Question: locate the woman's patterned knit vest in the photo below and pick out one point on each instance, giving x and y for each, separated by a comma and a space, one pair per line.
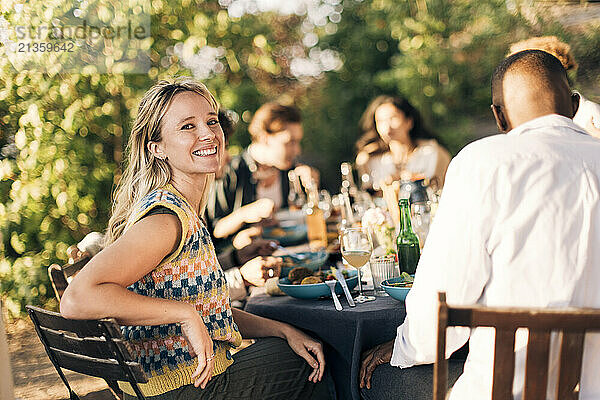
191, 274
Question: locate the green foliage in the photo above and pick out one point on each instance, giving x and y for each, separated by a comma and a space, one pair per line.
438, 54
69, 130
57, 187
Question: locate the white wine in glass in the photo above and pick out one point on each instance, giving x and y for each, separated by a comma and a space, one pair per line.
356, 246
356, 258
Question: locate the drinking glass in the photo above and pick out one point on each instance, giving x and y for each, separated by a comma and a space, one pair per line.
383, 268
421, 219
325, 203
362, 202
356, 246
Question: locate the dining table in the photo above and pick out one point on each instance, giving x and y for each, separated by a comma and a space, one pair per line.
345, 334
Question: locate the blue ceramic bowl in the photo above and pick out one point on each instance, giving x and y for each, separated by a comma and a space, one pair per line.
313, 261
286, 235
398, 293
315, 290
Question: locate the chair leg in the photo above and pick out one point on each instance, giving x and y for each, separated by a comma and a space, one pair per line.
115, 389
44, 340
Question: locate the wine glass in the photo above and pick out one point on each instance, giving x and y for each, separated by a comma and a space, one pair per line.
356, 246
421, 219
325, 203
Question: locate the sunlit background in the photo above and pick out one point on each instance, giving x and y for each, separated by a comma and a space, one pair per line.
62, 134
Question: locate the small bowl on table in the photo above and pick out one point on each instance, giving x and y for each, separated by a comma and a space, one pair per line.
288, 235
397, 292
312, 260
315, 290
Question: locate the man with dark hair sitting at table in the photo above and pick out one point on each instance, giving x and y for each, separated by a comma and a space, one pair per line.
518, 225
251, 264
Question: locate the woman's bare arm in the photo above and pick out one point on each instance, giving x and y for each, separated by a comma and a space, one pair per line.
100, 289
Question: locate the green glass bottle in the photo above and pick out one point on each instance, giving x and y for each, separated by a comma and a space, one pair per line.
407, 241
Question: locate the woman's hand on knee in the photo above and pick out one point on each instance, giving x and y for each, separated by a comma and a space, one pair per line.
307, 348
201, 345
371, 359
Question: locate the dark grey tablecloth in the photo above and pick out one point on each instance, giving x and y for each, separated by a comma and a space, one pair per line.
346, 334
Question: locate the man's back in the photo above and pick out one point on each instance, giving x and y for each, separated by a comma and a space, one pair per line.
518, 225
544, 243
546, 211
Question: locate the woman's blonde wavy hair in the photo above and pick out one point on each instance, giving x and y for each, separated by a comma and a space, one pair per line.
144, 172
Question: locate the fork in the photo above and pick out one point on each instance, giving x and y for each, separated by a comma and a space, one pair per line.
336, 301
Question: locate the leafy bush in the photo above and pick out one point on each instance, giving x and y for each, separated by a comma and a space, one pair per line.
440, 55
62, 135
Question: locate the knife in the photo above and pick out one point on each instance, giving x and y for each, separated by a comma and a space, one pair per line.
340, 277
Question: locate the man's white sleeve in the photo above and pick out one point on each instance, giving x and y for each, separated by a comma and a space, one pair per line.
454, 260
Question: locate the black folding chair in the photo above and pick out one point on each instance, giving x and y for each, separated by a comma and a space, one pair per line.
91, 347
60, 275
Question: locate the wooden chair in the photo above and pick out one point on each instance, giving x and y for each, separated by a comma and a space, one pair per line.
571, 323
91, 347
60, 276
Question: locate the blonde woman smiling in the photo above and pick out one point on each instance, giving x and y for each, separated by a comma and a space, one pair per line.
158, 274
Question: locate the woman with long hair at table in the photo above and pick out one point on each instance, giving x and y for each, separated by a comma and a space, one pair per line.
395, 144
159, 277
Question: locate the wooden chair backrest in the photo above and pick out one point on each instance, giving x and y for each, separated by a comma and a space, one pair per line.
572, 323
59, 276
91, 347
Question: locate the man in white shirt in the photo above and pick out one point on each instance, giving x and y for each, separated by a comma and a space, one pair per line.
518, 225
